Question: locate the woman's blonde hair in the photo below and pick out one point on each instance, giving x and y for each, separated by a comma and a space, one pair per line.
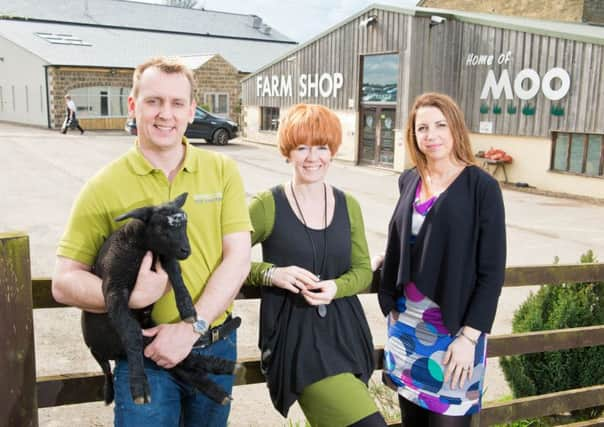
462, 149
309, 124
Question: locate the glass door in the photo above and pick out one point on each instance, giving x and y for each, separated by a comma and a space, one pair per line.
385, 155
377, 136
368, 135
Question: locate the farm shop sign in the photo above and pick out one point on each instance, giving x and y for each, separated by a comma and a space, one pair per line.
324, 85
496, 87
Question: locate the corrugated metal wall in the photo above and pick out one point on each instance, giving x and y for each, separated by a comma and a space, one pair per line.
433, 58
337, 52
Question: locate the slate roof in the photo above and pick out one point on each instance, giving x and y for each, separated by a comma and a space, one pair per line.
122, 34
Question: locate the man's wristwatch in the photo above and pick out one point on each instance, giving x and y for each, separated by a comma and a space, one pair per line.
200, 326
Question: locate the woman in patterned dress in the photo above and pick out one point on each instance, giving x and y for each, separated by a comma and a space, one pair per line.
443, 270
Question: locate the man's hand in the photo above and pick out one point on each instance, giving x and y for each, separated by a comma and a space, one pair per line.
173, 342
150, 285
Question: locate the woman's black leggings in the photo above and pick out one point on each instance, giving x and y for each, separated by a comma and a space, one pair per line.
416, 416
373, 420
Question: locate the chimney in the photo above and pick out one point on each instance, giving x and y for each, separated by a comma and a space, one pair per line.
256, 22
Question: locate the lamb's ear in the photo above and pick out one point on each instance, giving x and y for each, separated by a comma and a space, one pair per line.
141, 213
180, 200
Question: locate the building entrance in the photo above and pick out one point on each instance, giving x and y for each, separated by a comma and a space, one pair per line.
377, 136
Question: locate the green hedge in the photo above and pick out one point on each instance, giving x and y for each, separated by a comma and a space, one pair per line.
557, 307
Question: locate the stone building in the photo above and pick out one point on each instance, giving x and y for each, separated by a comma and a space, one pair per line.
588, 11
48, 50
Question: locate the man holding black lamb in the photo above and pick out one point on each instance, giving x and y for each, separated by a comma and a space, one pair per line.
161, 165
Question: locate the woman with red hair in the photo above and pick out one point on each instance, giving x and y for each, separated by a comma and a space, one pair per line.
315, 341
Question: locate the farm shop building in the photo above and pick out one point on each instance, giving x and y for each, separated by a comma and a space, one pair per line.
533, 88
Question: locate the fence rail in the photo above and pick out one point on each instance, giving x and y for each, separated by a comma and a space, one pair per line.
73, 388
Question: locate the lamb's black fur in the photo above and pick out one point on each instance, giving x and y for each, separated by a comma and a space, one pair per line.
162, 230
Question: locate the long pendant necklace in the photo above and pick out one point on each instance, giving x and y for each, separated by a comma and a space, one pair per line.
321, 308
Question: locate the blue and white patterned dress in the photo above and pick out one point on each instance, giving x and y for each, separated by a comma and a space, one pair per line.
417, 342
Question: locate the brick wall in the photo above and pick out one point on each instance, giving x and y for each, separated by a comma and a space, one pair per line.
219, 76
558, 10
61, 80
593, 11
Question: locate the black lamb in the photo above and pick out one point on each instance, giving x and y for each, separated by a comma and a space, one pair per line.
117, 333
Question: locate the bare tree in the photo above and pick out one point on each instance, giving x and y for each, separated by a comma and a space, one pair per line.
187, 4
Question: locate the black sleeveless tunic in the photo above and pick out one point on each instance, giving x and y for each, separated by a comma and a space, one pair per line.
298, 346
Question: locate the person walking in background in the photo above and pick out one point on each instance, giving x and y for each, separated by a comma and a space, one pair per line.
442, 271
315, 342
71, 120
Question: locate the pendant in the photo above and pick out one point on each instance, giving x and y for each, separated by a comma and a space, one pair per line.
322, 310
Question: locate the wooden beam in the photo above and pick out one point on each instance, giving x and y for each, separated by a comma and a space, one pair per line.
514, 276
588, 423
542, 341
538, 406
553, 274
68, 389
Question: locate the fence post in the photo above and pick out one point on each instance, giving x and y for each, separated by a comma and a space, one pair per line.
18, 400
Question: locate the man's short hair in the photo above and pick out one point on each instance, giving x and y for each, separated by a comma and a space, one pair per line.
166, 64
67, 96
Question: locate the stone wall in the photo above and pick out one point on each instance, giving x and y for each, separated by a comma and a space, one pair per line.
63, 79
559, 10
219, 76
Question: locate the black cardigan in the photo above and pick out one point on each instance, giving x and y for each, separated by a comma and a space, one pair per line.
458, 259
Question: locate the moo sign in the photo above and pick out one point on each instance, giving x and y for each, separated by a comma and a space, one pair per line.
529, 90
325, 85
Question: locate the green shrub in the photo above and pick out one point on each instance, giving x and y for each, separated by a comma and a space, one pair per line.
568, 305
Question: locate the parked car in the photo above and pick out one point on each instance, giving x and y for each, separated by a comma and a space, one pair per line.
215, 130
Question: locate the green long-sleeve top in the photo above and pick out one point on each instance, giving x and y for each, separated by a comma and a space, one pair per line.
356, 279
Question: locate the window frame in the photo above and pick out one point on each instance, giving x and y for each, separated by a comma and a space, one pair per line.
554, 138
275, 113
216, 96
362, 78
83, 108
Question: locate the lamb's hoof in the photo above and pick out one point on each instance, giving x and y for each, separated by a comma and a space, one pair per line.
190, 319
226, 400
139, 388
141, 400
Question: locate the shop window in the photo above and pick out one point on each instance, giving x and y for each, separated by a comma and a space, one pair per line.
218, 103
579, 153
101, 101
380, 77
269, 118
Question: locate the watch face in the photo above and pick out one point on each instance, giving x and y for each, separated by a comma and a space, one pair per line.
200, 326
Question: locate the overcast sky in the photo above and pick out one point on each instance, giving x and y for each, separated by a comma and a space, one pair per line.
299, 20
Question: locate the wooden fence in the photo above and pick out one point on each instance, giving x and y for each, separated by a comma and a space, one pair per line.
25, 392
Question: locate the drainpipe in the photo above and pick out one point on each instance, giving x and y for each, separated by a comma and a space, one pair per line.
47, 97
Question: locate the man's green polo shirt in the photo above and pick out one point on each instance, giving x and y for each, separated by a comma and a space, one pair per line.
216, 206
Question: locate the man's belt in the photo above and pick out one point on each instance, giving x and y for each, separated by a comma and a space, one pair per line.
218, 332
